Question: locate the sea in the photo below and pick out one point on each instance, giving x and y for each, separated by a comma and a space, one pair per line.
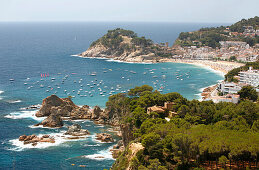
39, 59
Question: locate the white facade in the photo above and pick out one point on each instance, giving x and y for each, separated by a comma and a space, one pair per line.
250, 77
233, 98
226, 87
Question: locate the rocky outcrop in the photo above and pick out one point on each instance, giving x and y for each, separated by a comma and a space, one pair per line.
96, 112
104, 137
76, 130
52, 121
33, 139
125, 47
99, 51
64, 107
119, 147
55, 105
128, 154
106, 117
81, 113
127, 135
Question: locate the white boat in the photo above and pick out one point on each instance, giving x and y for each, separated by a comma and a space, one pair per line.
93, 74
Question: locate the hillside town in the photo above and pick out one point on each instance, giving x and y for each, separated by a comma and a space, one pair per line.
232, 48
238, 50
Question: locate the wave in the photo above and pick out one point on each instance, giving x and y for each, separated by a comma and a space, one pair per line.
100, 58
14, 101
101, 155
92, 145
60, 138
25, 115
1, 93
40, 126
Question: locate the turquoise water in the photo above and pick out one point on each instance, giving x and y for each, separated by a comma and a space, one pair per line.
28, 50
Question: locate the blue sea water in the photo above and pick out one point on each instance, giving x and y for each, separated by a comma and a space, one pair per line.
28, 50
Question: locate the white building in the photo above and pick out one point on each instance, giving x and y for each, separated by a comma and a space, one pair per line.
250, 77
233, 98
228, 87
227, 44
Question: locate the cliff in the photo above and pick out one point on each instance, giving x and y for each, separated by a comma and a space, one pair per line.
125, 45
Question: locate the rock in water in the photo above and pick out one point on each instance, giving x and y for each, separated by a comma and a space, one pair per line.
54, 104
81, 113
33, 139
96, 112
76, 130
52, 121
104, 137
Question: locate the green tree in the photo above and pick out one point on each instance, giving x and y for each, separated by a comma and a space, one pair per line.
248, 92
223, 160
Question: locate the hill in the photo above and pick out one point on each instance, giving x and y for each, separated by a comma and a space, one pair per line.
244, 30
125, 45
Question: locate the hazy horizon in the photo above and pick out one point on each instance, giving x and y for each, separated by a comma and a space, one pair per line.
184, 11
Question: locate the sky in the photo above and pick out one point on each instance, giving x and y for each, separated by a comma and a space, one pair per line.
207, 11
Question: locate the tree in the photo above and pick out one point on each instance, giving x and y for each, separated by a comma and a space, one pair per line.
223, 160
139, 89
248, 92
233, 58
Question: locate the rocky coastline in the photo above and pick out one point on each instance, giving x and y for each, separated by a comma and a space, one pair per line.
56, 110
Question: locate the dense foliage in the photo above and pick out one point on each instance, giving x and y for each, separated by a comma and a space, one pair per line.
201, 132
230, 76
114, 40
239, 26
120, 41
211, 36
248, 93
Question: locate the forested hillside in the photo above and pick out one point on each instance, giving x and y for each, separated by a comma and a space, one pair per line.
201, 134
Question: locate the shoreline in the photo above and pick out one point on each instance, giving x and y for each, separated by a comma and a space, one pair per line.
218, 67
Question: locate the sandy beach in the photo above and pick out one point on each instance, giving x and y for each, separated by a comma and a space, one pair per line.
222, 67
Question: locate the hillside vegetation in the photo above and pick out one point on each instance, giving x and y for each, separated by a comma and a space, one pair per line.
211, 36
125, 45
202, 134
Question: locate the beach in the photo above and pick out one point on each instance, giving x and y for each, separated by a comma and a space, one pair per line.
222, 67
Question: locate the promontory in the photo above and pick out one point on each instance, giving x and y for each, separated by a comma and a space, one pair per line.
125, 45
